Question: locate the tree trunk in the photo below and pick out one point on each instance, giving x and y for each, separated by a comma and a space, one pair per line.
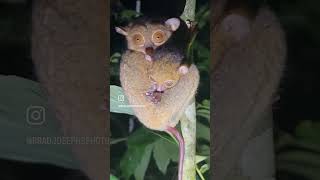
70, 51
243, 82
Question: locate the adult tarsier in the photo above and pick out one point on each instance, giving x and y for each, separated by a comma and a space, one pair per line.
164, 43
156, 76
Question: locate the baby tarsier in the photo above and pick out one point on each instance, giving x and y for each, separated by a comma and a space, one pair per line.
156, 38
156, 76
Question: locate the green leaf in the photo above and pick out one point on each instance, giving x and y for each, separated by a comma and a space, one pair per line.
200, 158
308, 130
203, 109
134, 162
300, 153
287, 140
301, 157
143, 165
163, 152
202, 16
128, 14
204, 168
112, 177
115, 58
141, 136
203, 131
118, 101
203, 149
131, 160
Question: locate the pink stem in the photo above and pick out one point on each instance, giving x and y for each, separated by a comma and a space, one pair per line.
179, 138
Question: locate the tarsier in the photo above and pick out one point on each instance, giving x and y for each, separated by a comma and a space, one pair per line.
163, 75
156, 38
156, 77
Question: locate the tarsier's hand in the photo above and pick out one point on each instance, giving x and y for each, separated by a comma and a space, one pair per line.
155, 108
153, 95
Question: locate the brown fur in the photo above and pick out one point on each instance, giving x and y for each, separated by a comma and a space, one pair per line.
135, 82
164, 70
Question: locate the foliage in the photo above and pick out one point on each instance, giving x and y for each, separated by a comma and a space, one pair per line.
118, 101
142, 143
112, 177
299, 154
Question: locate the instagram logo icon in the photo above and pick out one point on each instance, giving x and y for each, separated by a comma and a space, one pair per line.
35, 115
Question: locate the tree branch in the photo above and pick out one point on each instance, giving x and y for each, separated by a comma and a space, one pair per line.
188, 121
189, 10
188, 129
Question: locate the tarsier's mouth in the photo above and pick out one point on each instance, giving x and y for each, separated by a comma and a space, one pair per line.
149, 51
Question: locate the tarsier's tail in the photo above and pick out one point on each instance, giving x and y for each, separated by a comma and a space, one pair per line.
173, 131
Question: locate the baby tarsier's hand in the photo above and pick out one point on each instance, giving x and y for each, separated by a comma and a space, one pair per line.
153, 95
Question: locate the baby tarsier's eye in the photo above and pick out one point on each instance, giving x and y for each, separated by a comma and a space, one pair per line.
138, 39
158, 37
169, 83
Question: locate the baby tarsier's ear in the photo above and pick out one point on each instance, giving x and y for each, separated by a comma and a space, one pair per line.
121, 30
173, 23
183, 69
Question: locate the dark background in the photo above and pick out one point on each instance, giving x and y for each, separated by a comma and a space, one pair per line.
299, 98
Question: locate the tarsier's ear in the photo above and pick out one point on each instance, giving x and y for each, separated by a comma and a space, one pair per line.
173, 23
183, 69
121, 30
236, 25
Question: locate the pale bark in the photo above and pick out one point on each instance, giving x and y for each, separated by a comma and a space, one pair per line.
189, 120
188, 129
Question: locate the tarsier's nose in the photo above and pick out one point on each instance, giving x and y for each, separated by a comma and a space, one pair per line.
149, 50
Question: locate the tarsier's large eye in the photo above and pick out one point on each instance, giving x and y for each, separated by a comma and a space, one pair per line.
138, 39
158, 37
169, 83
